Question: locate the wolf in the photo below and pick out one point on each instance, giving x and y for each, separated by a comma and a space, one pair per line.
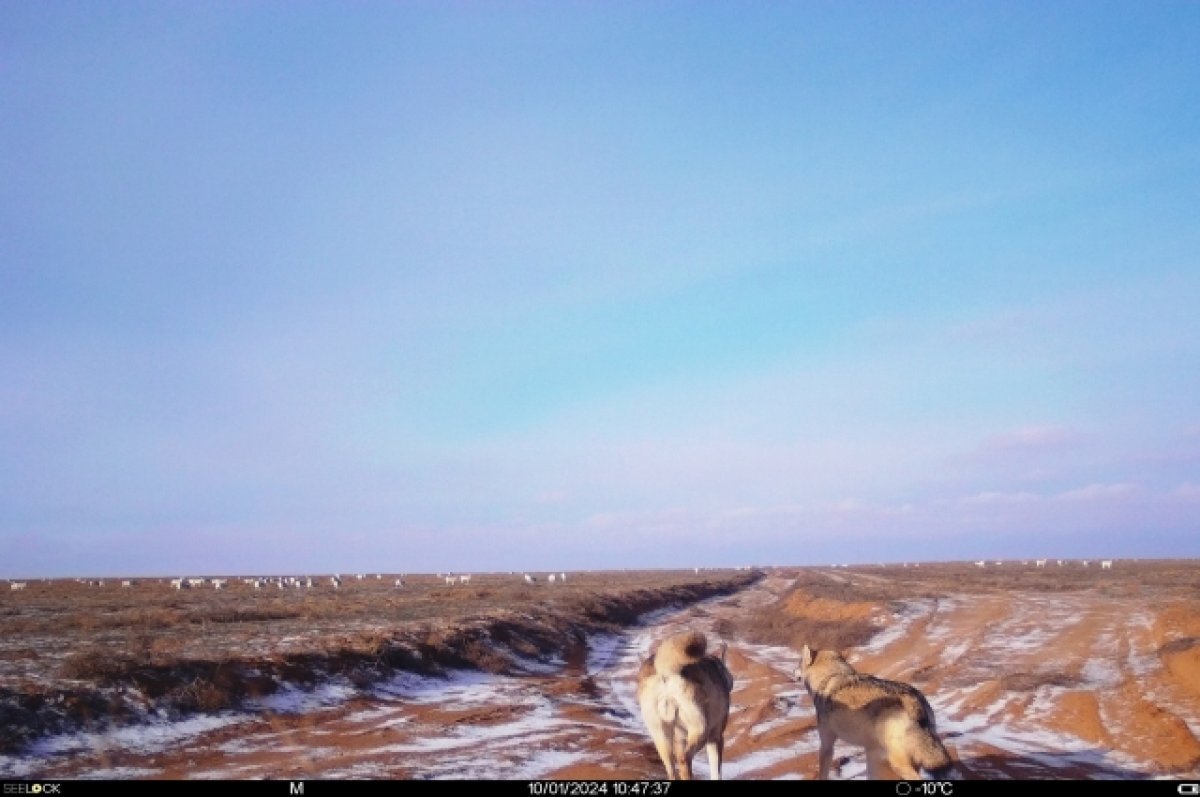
684, 693
891, 720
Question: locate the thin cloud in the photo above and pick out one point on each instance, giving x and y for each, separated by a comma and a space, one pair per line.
1187, 492
1101, 492
1000, 498
1035, 437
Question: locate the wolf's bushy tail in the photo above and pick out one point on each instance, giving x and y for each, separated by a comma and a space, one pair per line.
678, 651
929, 754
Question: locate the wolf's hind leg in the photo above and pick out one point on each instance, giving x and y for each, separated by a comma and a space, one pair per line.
716, 752
686, 748
662, 743
877, 765
902, 766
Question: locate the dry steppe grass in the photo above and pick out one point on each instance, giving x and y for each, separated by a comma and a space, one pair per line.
80, 655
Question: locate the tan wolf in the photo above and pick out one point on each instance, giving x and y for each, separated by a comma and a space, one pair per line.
684, 692
891, 720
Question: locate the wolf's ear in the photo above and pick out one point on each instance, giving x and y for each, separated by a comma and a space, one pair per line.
807, 656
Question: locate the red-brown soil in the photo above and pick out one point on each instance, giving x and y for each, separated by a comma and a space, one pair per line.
1054, 673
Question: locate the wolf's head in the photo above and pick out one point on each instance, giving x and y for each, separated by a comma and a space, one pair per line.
817, 665
807, 658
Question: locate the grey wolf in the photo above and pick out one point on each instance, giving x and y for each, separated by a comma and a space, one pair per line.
684, 693
892, 721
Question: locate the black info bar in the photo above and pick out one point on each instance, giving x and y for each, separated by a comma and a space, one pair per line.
583, 788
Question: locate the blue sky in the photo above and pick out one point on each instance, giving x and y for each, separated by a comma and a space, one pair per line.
482, 286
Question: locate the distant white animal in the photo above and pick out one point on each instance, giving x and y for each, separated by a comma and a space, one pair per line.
218, 583
1085, 563
1106, 564
126, 583
451, 580
529, 579
562, 576
1040, 563
336, 581
981, 564
399, 583
550, 578
17, 586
